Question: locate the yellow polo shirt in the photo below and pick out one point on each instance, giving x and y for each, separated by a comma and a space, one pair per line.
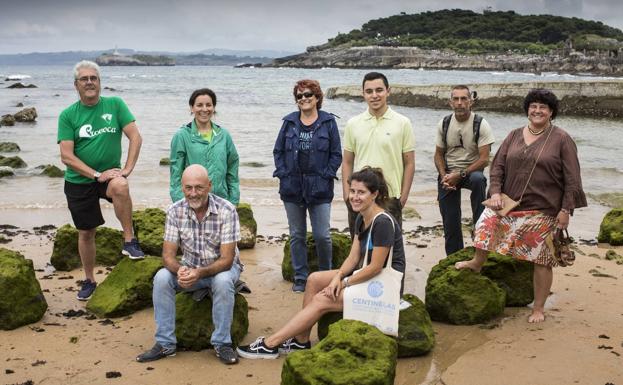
380, 143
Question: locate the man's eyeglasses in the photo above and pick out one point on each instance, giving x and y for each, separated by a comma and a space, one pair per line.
304, 95
86, 79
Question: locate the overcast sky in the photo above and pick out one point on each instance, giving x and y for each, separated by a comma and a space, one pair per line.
194, 25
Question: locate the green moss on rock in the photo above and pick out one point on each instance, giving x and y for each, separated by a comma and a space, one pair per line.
51, 171
248, 226
5, 171
13, 162
611, 228
9, 147
165, 162
341, 248
65, 256
149, 229
193, 321
21, 299
416, 336
127, 289
352, 353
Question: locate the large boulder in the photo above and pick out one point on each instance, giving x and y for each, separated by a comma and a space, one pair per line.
511, 275
12, 161
51, 171
611, 228
6, 171
126, 289
462, 297
341, 248
9, 147
26, 115
193, 321
248, 226
352, 353
65, 256
415, 329
149, 229
21, 301
7, 120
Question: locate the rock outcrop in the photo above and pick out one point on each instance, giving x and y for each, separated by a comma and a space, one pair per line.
9, 147
341, 248
22, 85
22, 301
51, 171
12, 161
7, 120
193, 321
65, 256
127, 289
165, 162
6, 171
248, 226
611, 228
352, 353
416, 336
149, 229
26, 115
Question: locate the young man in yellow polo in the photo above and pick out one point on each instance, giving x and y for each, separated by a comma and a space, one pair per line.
379, 137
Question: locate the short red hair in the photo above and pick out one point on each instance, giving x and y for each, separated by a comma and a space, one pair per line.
313, 86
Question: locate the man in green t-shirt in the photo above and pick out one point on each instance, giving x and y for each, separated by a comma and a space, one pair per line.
89, 134
379, 137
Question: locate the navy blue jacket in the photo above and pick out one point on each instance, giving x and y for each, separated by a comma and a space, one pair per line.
325, 157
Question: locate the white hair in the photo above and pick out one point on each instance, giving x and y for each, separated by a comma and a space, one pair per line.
86, 64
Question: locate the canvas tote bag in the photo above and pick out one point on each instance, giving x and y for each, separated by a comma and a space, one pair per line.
377, 300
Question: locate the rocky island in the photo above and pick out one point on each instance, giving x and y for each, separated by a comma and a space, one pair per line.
117, 59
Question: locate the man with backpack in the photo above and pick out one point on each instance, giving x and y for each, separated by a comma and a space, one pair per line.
462, 152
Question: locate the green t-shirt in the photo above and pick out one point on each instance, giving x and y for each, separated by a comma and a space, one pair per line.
96, 132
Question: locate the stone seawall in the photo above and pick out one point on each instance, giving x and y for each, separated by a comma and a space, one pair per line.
586, 98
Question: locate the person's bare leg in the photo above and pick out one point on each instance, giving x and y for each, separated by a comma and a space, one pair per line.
119, 191
474, 264
86, 249
543, 277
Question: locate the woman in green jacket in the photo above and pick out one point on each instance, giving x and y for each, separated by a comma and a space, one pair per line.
208, 144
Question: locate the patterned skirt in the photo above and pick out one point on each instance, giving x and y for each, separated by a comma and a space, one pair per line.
520, 234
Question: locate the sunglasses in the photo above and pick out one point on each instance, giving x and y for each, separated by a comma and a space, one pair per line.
85, 79
304, 95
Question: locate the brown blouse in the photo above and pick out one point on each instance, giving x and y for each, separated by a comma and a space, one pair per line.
556, 182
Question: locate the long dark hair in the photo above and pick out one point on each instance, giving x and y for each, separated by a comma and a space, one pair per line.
373, 179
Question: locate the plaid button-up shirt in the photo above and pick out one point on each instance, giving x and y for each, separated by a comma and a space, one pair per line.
201, 241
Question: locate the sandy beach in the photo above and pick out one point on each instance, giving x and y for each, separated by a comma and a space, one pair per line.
581, 341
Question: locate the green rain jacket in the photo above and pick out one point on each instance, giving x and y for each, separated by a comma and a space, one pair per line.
219, 156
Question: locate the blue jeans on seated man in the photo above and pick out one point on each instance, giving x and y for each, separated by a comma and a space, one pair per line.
450, 208
320, 217
223, 293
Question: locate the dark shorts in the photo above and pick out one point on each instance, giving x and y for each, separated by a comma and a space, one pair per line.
84, 205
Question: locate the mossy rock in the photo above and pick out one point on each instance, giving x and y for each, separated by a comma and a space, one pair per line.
127, 289
22, 301
611, 228
6, 171
512, 275
28, 114
416, 336
341, 248
9, 147
7, 120
193, 321
462, 297
51, 171
248, 226
65, 256
149, 229
13, 162
165, 162
611, 255
352, 353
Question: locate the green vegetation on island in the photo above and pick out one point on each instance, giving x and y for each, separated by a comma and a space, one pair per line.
465, 31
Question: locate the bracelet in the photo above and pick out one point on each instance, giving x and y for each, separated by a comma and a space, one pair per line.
564, 211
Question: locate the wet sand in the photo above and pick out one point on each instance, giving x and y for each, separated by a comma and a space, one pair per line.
580, 343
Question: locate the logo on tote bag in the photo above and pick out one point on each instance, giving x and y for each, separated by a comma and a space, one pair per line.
375, 289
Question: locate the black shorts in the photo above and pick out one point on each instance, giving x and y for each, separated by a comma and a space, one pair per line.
84, 205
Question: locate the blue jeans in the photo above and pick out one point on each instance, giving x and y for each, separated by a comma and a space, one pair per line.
223, 293
320, 216
450, 208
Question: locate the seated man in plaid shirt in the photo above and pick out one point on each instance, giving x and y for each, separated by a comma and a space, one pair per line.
207, 230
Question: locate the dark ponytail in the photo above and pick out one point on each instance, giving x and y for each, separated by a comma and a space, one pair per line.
372, 178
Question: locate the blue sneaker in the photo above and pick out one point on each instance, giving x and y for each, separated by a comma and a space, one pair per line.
86, 290
132, 249
299, 286
155, 353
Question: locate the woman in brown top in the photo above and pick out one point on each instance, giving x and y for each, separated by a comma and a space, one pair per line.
553, 189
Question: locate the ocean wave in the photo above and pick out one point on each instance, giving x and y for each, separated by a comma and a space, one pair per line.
18, 77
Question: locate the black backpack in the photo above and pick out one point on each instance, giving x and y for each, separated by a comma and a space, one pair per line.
446, 124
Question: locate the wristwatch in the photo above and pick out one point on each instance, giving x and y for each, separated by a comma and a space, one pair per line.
96, 175
345, 281
463, 173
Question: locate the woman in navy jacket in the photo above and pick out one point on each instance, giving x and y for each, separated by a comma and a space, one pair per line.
307, 156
